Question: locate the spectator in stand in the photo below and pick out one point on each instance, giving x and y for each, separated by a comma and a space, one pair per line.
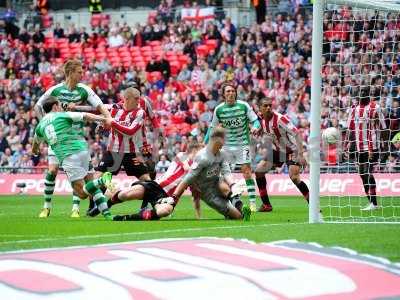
44, 66
38, 36
58, 31
163, 165
3, 142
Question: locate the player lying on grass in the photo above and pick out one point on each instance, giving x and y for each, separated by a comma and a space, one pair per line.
156, 193
58, 129
210, 174
284, 145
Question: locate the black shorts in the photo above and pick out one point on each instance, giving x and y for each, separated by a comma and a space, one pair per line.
279, 158
112, 162
362, 157
152, 191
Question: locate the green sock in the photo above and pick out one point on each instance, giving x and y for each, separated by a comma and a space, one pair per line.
92, 186
49, 184
251, 189
101, 202
76, 201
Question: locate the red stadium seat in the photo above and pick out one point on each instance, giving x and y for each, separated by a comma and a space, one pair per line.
175, 67
158, 53
62, 40
211, 44
140, 64
134, 49
183, 59
75, 45
153, 77
177, 119
154, 44
145, 49
123, 49
170, 53
59, 61
137, 58
202, 50
49, 41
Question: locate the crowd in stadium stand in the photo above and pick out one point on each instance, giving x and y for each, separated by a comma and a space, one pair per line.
181, 64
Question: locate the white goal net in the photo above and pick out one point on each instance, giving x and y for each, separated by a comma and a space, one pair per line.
359, 96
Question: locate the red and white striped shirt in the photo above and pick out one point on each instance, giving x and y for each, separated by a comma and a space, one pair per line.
366, 121
175, 173
126, 133
282, 132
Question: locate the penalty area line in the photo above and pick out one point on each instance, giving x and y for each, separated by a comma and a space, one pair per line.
128, 234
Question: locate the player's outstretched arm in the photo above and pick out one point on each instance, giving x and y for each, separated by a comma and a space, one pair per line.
95, 118
182, 186
104, 111
85, 108
36, 145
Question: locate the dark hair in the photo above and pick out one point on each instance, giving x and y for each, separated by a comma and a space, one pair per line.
226, 84
49, 103
262, 99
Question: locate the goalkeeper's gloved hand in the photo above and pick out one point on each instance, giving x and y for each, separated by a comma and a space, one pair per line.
166, 200
236, 189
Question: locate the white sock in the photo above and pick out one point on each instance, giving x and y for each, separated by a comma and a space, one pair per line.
47, 204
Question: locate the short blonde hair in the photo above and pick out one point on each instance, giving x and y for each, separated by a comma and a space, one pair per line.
131, 91
218, 132
71, 65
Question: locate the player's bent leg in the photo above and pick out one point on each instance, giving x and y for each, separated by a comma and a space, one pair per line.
234, 213
251, 188
164, 210
294, 174
77, 186
49, 184
76, 200
143, 215
224, 188
76, 166
262, 168
135, 192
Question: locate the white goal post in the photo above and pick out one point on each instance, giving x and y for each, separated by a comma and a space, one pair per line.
381, 9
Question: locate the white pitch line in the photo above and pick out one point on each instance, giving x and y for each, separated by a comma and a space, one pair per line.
110, 235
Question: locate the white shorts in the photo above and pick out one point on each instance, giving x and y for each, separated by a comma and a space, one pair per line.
51, 157
76, 166
238, 155
53, 160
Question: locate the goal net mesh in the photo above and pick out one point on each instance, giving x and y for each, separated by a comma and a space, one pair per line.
360, 53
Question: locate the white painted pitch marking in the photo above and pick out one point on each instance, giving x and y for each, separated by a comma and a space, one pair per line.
125, 234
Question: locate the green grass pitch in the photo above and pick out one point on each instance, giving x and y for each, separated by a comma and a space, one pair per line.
20, 227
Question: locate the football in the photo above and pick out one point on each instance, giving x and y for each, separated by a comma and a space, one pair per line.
330, 135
